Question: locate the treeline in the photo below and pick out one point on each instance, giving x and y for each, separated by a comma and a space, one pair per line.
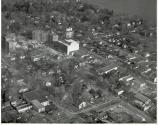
83, 11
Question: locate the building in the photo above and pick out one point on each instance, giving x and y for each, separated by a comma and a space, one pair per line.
142, 98
127, 78
23, 108
36, 35
119, 91
39, 35
65, 46
12, 45
69, 33
52, 37
23, 89
39, 95
120, 117
82, 105
5, 45
107, 69
38, 106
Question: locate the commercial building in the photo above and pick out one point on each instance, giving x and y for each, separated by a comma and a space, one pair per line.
40, 35
23, 108
39, 95
38, 106
65, 46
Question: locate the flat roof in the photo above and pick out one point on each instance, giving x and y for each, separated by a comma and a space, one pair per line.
39, 95
37, 104
23, 106
67, 42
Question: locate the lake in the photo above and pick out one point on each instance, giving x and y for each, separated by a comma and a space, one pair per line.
142, 8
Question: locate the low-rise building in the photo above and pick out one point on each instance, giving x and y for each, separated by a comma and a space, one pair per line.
65, 46
142, 98
119, 91
39, 95
23, 108
107, 69
38, 106
40, 35
126, 78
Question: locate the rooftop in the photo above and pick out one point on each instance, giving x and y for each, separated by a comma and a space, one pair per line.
39, 95
37, 104
142, 97
68, 42
107, 68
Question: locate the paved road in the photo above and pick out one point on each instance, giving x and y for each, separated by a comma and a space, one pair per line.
116, 47
142, 79
102, 104
137, 112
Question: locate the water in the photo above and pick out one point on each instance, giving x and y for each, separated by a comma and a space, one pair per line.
142, 8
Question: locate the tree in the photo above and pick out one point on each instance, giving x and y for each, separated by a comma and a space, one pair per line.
76, 92
15, 27
99, 92
105, 14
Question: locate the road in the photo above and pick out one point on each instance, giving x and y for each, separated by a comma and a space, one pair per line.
102, 104
116, 47
142, 79
137, 112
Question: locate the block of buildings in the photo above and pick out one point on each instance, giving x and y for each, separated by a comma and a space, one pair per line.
40, 35
65, 46
39, 95
37, 106
23, 108
142, 98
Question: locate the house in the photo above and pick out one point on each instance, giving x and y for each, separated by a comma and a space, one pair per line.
127, 78
142, 98
142, 105
39, 95
107, 69
119, 91
37, 106
23, 89
82, 105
